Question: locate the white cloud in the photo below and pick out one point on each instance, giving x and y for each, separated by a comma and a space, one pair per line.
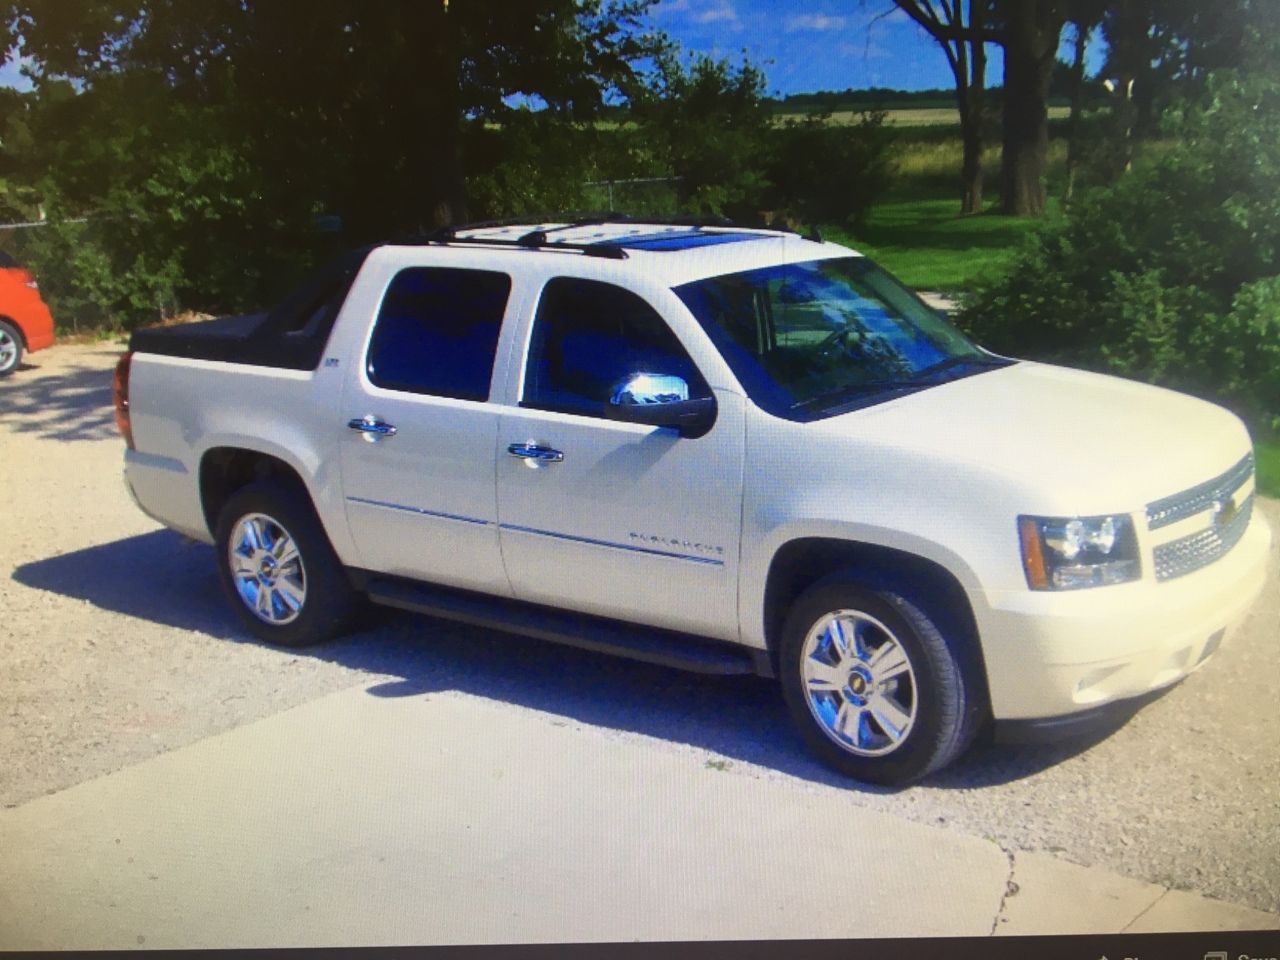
813, 21
717, 11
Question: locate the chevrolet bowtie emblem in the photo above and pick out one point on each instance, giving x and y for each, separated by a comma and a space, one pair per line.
1223, 511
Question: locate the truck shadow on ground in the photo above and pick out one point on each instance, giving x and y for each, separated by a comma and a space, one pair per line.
74, 405
164, 579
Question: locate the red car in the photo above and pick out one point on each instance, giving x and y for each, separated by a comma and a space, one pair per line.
25, 322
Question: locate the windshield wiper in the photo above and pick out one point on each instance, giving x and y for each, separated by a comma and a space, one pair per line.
850, 390
981, 360
925, 378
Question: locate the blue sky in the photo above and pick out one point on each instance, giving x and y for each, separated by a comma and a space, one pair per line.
802, 45
808, 45
10, 76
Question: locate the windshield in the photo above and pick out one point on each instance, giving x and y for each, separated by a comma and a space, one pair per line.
812, 339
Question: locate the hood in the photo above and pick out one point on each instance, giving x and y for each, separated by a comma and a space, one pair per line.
1080, 443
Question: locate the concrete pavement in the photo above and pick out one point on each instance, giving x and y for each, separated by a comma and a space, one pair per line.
363, 819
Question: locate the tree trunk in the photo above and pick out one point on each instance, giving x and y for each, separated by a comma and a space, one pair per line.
436, 169
1123, 112
965, 49
971, 164
972, 116
970, 133
1077, 105
1032, 28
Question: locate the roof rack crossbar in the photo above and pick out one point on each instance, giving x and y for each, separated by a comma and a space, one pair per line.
528, 241
612, 249
568, 221
538, 238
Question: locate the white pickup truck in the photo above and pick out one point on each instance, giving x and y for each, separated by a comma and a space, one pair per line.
723, 449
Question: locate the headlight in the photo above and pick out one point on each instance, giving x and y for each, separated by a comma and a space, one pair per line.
1066, 553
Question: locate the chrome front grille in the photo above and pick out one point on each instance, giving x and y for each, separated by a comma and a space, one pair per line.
1190, 553
1226, 515
1199, 498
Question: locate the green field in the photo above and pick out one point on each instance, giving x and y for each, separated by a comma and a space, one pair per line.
929, 246
907, 116
917, 230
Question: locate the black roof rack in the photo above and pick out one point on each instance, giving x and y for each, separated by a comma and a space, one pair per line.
587, 218
536, 239
541, 240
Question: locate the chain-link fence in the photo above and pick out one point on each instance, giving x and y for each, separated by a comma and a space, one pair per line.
641, 196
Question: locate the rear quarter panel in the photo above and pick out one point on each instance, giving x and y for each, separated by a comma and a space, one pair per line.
182, 408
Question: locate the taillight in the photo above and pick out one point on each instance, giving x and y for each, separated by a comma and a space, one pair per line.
120, 395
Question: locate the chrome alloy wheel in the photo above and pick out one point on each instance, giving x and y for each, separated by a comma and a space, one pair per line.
8, 350
267, 569
859, 683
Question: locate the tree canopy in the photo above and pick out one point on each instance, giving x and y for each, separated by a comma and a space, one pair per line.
380, 91
192, 131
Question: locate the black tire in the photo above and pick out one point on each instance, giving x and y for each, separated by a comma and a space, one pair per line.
328, 602
10, 348
940, 690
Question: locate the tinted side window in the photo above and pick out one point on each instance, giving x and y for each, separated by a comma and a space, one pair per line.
437, 332
587, 337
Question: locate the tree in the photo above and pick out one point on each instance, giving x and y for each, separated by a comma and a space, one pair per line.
1172, 274
203, 139
363, 104
1028, 31
961, 30
820, 172
707, 123
1029, 35
1161, 51
1084, 17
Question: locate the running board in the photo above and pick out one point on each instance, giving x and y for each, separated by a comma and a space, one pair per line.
635, 642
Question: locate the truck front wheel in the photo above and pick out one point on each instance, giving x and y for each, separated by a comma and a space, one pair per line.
278, 569
877, 691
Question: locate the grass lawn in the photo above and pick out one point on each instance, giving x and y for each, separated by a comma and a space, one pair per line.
1268, 462
929, 246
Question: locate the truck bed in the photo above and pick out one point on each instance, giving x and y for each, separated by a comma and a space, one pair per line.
229, 339
291, 336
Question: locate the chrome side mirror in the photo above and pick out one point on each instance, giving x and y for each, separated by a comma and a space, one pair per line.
645, 389
661, 400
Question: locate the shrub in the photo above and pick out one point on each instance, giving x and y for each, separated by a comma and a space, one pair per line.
827, 173
535, 163
708, 124
1173, 274
93, 282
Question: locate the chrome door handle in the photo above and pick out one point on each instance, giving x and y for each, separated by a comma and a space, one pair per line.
535, 453
372, 428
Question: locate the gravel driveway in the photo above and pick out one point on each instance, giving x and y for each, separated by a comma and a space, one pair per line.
116, 646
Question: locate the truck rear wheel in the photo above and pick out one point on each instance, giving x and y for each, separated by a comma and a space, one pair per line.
278, 568
875, 688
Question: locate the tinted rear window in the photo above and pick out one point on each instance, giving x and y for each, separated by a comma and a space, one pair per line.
437, 332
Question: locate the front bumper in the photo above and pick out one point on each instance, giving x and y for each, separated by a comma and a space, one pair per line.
1052, 656
1090, 722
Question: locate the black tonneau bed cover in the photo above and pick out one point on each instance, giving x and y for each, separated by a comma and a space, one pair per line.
292, 336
